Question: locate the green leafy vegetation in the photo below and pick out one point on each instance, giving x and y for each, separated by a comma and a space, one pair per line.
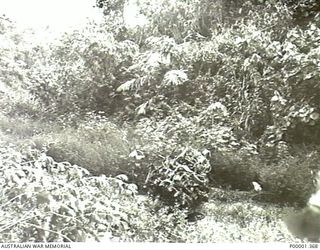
43, 200
122, 133
181, 179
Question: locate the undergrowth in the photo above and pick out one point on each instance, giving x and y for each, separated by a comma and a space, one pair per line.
45, 200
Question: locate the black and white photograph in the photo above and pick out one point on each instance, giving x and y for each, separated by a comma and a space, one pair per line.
159, 121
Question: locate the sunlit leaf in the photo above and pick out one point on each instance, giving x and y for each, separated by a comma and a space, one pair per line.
175, 77
142, 109
314, 116
122, 177
137, 154
126, 86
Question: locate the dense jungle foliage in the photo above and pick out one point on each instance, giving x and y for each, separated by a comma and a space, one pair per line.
199, 124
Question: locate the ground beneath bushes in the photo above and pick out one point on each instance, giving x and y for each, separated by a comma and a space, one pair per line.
236, 216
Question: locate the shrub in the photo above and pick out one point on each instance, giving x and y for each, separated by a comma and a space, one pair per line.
261, 71
208, 127
43, 200
81, 73
181, 178
48, 201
